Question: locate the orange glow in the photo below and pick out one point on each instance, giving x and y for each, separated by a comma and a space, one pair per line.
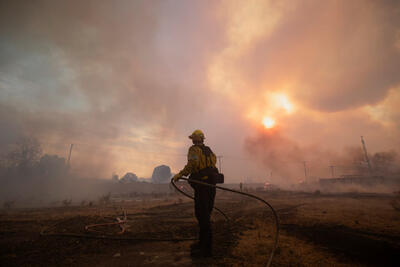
268, 122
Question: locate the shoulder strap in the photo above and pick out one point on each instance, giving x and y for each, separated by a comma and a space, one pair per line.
207, 153
206, 150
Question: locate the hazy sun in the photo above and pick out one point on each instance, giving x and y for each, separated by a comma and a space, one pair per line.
268, 122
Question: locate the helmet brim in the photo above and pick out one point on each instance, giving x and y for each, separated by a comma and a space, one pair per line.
196, 137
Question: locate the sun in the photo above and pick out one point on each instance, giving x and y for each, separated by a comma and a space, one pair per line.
268, 122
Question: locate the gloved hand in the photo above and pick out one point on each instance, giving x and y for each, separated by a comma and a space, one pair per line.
176, 177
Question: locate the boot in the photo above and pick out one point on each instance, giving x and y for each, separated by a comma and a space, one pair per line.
206, 246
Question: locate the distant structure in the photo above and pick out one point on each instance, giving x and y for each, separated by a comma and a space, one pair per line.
383, 172
161, 174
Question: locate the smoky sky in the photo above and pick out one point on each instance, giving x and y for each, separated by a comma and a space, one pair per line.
128, 81
341, 54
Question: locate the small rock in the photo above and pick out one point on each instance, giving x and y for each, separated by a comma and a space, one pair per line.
141, 253
117, 255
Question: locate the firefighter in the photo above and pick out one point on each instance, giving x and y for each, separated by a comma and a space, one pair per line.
201, 158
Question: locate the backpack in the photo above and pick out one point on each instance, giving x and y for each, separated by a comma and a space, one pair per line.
212, 173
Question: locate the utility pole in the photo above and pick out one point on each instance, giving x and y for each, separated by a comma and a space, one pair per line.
332, 170
366, 154
69, 155
219, 163
305, 170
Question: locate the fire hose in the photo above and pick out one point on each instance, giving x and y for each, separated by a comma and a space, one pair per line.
121, 223
275, 215
124, 220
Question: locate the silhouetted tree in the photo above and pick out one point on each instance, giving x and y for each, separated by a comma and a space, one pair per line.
161, 174
24, 155
129, 178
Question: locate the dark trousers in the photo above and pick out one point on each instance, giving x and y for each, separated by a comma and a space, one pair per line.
203, 205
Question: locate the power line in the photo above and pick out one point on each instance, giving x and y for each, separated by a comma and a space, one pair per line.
130, 147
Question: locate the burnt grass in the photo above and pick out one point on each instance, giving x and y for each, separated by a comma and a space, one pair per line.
314, 220
368, 248
21, 243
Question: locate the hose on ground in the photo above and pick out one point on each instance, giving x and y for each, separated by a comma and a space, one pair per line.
275, 215
86, 236
45, 232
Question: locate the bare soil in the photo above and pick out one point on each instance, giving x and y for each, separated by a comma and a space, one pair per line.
315, 230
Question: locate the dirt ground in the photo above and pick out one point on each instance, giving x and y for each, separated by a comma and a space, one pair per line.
315, 230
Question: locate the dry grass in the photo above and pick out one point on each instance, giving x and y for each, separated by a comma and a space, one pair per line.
323, 231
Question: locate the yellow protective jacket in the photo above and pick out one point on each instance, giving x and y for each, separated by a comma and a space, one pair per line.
197, 160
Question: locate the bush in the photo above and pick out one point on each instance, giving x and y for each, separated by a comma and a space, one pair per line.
105, 199
66, 202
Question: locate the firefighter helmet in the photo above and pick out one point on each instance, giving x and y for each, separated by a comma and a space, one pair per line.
197, 135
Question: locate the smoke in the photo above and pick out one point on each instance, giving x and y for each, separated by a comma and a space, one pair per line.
288, 161
100, 73
291, 163
127, 82
329, 56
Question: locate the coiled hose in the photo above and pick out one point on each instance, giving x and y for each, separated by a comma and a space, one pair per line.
275, 215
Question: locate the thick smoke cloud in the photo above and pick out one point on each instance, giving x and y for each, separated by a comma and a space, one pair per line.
99, 72
288, 161
337, 55
337, 63
127, 81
